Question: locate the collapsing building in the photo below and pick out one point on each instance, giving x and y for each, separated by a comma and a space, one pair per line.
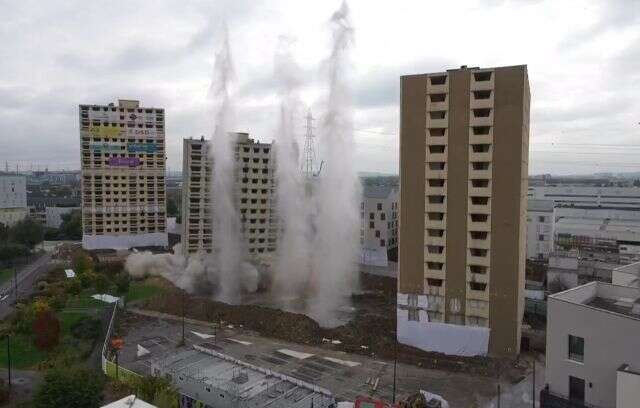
205, 377
254, 193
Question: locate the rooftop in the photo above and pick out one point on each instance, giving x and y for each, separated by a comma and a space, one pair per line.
129, 402
621, 300
540, 205
204, 365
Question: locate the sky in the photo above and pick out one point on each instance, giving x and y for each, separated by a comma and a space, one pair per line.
583, 61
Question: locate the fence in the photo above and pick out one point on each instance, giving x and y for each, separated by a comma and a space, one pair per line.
551, 400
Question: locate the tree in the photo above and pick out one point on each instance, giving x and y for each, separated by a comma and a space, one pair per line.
101, 283
151, 388
4, 232
70, 387
10, 250
71, 227
27, 232
82, 263
46, 328
122, 282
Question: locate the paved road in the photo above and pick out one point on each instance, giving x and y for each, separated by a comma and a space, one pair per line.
27, 277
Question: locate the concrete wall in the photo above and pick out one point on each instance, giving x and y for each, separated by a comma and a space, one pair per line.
540, 248
628, 388
609, 341
13, 192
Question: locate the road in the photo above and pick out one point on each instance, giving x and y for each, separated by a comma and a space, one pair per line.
27, 277
519, 395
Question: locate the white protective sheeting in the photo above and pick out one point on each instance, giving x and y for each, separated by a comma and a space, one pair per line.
106, 298
70, 273
374, 257
142, 351
442, 337
345, 363
203, 335
297, 354
124, 241
429, 396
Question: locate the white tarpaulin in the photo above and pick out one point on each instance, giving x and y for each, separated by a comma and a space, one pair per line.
203, 335
106, 298
445, 338
429, 396
70, 273
142, 351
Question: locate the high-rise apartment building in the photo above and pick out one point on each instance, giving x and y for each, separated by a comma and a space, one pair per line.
13, 199
254, 193
378, 225
463, 171
123, 176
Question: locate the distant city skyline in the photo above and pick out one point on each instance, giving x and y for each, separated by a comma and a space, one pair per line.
581, 57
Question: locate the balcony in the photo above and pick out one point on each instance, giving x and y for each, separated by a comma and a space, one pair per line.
479, 156
479, 243
428, 240
437, 106
552, 400
434, 174
434, 257
437, 123
435, 207
478, 294
435, 274
479, 226
481, 121
479, 174
435, 290
435, 190
436, 224
479, 191
479, 260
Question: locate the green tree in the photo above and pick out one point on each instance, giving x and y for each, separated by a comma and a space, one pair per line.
150, 387
82, 263
70, 387
10, 250
101, 283
71, 227
122, 282
4, 232
27, 232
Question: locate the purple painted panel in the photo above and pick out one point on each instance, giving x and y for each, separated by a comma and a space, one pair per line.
124, 161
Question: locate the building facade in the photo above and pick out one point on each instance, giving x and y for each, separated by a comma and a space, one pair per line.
13, 199
463, 175
540, 229
254, 192
123, 176
379, 225
592, 332
588, 196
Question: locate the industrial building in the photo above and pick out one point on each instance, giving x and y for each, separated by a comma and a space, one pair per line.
123, 175
540, 229
13, 199
592, 357
254, 194
205, 377
379, 225
464, 137
588, 196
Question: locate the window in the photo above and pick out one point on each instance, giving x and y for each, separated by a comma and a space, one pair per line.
436, 165
576, 348
576, 389
480, 148
481, 130
414, 315
437, 114
436, 182
482, 94
436, 199
438, 80
540, 237
371, 225
436, 149
383, 216
479, 183
435, 249
434, 282
435, 232
438, 97
481, 113
478, 286
541, 218
435, 216
478, 269
478, 234
479, 200
482, 76
379, 206
436, 132
382, 243
372, 216
435, 265
479, 217
377, 234
480, 165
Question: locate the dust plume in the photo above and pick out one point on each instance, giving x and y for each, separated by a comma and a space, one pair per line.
227, 242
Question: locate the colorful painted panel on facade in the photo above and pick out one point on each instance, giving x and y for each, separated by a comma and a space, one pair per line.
142, 147
124, 161
105, 131
107, 147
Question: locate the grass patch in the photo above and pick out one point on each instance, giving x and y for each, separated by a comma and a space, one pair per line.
143, 291
5, 275
24, 353
84, 301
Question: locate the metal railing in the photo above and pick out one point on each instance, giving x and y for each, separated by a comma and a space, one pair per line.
549, 399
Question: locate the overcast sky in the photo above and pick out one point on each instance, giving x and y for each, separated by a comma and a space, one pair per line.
583, 59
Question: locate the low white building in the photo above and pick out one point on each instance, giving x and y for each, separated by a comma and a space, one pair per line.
540, 229
13, 199
592, 355
379, 224
588, 196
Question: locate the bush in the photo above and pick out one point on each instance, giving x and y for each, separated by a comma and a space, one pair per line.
70, 387
82, 263
101, 283
87, 328
157, 389
73, 286
122, 283
87, 279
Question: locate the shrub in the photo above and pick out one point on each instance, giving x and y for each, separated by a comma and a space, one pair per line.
70, 387
46, 328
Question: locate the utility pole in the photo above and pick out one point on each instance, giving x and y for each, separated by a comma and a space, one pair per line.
395, 364
15, 281
533, 391
9, 361
183, 317
309, 148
